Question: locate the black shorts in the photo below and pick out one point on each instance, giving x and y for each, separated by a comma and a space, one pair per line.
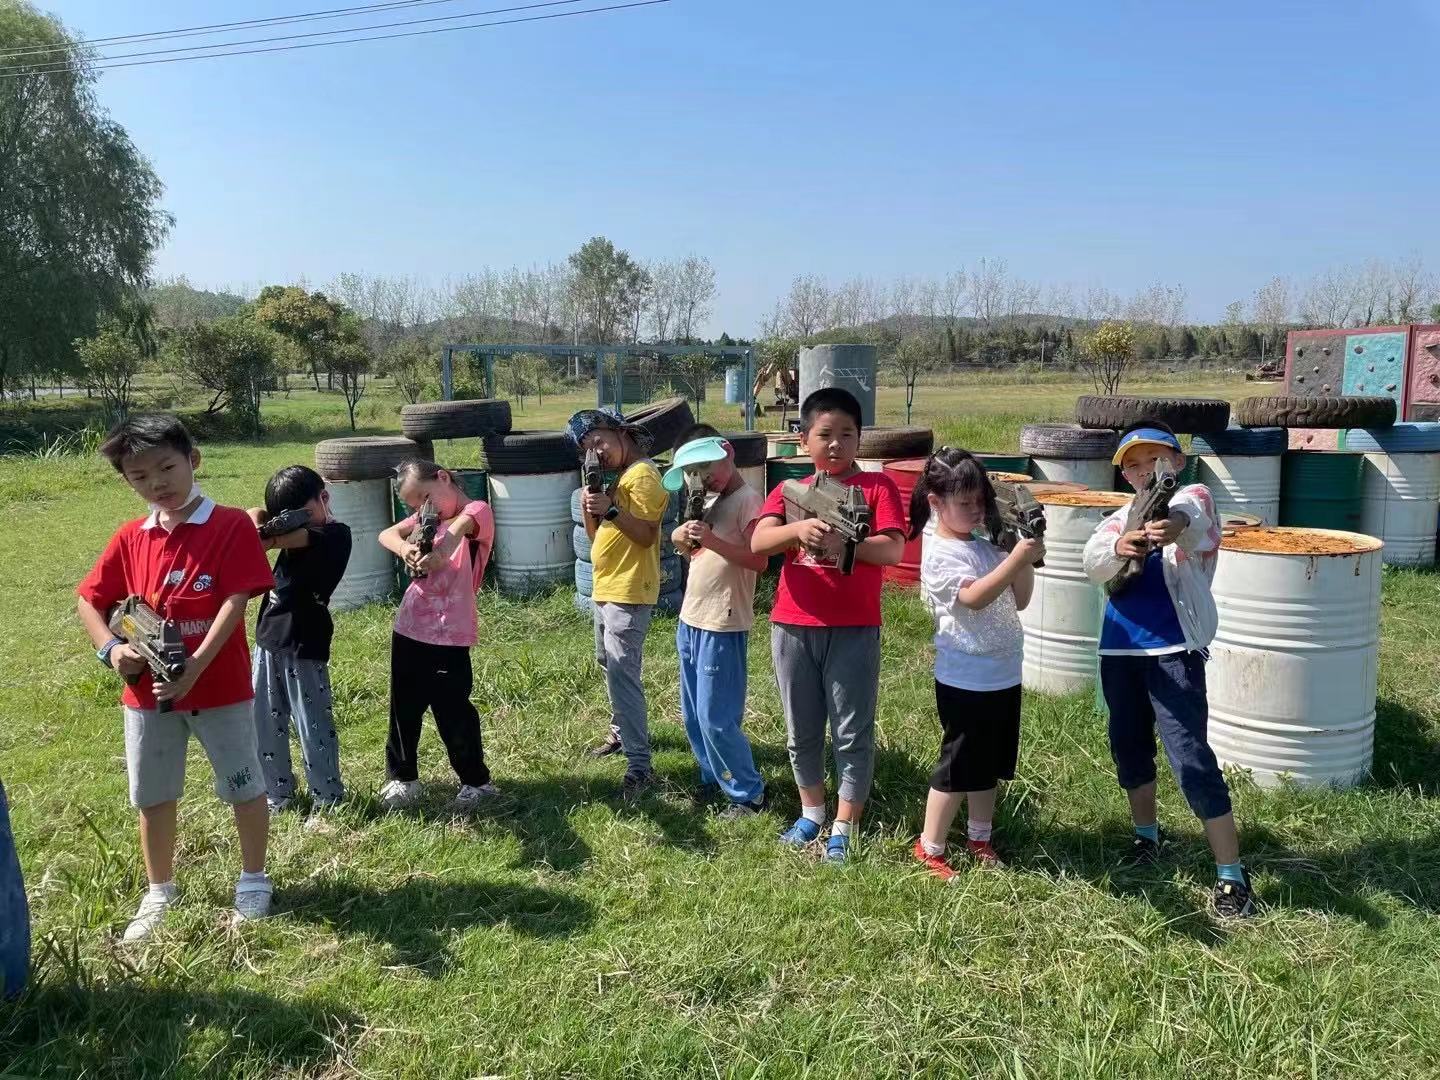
980, 737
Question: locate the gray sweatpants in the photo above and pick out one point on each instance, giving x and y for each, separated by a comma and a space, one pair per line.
829, 674
620, 648
285, 687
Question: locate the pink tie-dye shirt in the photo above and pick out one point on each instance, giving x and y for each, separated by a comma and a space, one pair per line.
440, 608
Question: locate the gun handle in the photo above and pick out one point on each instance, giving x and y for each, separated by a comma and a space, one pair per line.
1038, 564
847, 558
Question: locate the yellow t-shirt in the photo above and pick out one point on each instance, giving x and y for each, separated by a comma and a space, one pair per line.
625, 572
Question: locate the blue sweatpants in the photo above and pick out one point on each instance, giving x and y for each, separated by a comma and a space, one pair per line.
712, 698
1145, 693
14, 914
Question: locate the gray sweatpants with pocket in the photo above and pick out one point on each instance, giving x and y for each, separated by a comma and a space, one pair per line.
620, 649
287, 687
829, 675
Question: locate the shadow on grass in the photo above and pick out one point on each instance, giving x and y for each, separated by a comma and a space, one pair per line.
137, 1029
416, 917
1407, 750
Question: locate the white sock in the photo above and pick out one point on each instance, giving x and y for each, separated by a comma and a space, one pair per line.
978, 830
935, 850
814, 813
257, 878
840, 828
166, 889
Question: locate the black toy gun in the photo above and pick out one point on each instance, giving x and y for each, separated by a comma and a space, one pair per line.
591, 473
1017, 516
427, 523
694, 500
287, 522
157, 641
1151, 503
841, 506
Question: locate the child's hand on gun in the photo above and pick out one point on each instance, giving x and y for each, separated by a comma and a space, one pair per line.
813, 535
125, 660
694, 534
1028, 550
178, 688
596, 503
1133, 544
1166, 531
258, 515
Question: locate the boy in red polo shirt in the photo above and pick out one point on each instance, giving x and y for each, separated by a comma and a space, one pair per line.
197, 564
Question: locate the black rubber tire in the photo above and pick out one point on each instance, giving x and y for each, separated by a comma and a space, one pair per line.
664, 421
1067, 441
895, 442
750, 447
455, 419
528, 453
1335, 411
1189, 416
365, 457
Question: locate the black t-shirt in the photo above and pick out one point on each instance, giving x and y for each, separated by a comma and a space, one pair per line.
295, 613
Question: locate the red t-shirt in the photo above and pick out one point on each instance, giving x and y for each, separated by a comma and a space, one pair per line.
186, 575
813, 592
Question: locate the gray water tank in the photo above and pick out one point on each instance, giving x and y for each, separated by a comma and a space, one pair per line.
735, 385
850, 367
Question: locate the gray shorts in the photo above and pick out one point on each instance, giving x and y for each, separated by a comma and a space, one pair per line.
156, 742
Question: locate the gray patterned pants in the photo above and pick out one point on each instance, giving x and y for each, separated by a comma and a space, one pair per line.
285, 687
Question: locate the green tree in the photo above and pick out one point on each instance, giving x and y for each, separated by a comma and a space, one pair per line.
1189, 346
311, 321
1108, 352
349, 357
79, 213
109, 363
232, 358
910, 358
606, 283
411, 366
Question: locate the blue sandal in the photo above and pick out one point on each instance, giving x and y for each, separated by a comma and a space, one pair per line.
837, 848
803, 832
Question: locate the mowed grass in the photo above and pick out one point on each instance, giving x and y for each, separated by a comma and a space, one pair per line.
562, 934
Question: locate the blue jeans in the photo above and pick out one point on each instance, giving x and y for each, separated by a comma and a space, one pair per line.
1165, 692
712, 698
14, 913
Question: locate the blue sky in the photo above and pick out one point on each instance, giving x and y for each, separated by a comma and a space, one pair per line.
1212, 145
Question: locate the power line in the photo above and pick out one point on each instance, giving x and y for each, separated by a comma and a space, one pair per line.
36, 72
213, 28
60, 65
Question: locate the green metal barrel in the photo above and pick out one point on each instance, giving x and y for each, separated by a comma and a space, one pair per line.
1016, 463
1321, 489
780, 469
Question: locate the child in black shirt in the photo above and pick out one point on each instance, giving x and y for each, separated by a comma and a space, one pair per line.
292, 641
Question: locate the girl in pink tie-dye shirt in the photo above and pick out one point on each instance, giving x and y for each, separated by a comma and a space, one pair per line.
435, 627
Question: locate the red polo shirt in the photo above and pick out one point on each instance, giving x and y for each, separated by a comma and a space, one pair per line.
186, 575
812, 591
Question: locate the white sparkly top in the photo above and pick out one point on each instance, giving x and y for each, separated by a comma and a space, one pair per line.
974, 650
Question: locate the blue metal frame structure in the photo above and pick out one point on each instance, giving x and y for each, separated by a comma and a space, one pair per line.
597, 354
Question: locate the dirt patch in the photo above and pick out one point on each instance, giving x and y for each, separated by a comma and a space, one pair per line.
1280, 540
1111, 499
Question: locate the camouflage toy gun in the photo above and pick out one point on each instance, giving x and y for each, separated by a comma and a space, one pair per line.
694, 500
1151, 503
287, 522
841, 506
427, 524
157, 641
1017, 516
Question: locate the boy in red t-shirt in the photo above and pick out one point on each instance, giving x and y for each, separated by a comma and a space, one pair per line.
197, 564
825, 626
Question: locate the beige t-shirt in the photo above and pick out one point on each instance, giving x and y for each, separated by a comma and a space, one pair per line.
720, 595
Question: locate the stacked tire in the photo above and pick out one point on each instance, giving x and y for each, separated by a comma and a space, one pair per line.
672, 566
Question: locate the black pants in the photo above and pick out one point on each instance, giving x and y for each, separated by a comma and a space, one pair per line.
437, 677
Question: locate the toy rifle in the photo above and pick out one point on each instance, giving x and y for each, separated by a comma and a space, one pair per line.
841, 506
694, 500
1151, 503
157, 641
426, 525
1017, 516
287, 522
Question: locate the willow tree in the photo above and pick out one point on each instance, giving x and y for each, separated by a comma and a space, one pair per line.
79, 205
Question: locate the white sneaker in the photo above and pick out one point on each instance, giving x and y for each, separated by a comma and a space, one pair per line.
278, 806
468, 797
149, 915
399, 793
252, 901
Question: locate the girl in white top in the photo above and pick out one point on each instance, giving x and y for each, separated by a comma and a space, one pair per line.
973, 590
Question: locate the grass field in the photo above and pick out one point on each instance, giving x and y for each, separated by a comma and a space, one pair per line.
562, 934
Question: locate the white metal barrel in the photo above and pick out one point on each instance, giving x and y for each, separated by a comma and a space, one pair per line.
1243, 484
364, 505
532, 530
1292, 670
1062, 621
754, 475
1097, 474
1401, 489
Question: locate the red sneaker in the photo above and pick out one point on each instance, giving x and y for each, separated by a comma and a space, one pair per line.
936, 864
984, 854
